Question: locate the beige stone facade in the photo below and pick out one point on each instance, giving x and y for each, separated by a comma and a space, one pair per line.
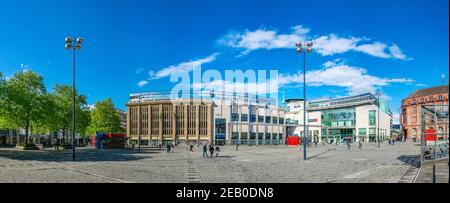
188, 121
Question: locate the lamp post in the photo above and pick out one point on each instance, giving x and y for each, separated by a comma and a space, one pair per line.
378, 118
73, 45
139, 119
304, 50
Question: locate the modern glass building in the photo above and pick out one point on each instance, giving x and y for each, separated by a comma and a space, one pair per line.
329, 120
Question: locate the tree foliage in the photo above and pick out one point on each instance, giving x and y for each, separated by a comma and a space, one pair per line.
105, 118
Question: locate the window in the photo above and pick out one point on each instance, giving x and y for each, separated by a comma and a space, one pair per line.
372, 131
422, 100
362, 131
244, 117
431, 98
275, 120
260, 119
372, 118
253, 118
234, 117
414, 133
268, 119
281, 120
440, 98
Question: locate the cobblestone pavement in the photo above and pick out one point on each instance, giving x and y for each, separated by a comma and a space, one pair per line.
259, 164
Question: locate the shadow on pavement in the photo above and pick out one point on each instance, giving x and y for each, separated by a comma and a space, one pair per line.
413, 160
329, 150
82, 155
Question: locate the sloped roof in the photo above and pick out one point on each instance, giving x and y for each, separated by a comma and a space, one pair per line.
430, 91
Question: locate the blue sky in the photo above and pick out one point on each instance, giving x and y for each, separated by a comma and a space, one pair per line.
393, 46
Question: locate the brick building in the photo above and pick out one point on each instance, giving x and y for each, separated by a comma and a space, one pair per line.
412, 108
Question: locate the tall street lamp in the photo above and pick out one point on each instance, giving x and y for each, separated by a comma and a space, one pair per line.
378, 117
304, 50
73, 45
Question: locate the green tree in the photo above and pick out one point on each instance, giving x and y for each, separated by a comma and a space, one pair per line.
62, 100
105, 118
23, 101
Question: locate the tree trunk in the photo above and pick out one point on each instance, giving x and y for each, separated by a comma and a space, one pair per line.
26, 132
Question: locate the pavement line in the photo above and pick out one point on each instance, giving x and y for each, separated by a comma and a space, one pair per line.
91, 174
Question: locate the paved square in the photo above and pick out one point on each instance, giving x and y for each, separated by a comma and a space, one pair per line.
250, 164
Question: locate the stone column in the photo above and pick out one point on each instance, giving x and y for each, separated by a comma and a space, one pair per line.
257, 126
197, 123
185, 120
174, 123
210, 122
150, 140
139, 123
128, 124
160, 123
239, 123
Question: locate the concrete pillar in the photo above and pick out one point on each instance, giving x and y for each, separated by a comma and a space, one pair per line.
185, 120
18, 137
160, 123
150, 140
210, 122
256, 126
174, 124
197, 123
239, 123
139, 119
128, 124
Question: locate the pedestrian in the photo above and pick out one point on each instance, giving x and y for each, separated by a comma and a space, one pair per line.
211, 150
237, 146
217, 150
168, 147
205, 151
191, 148
360, 144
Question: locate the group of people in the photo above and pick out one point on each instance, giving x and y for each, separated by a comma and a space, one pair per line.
211, 150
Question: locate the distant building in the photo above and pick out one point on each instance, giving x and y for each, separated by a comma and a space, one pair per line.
123, 118
330, 119
435, 97
216, 118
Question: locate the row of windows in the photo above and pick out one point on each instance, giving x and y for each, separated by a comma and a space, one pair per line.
245, 117
244, 135
424, 100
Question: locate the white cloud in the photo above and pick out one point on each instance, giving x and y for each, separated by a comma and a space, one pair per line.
184, 67
397, 53
355, 80
376, 49
326, 45
249, 41
142, 83
420, 85
332, 44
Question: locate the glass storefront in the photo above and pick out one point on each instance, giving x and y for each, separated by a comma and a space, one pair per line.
339, 123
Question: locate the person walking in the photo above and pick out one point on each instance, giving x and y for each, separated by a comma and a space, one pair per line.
360, 144
237, 146
217, 150
349, 147
168, 147
205, 151
191, 148
211, 150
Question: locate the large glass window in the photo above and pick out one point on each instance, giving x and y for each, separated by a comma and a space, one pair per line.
253, 118
275, 120
372, 118
220, 128
244, 117
268, 118
281, 120
234, 117
362, 131
260, 119
339, 117
372, 131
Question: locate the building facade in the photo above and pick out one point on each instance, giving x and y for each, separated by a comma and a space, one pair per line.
330, 120
411, 116
223, 118
123, 118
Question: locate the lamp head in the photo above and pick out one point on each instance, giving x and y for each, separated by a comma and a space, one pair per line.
309, 44
80, 40
68, 40
298, 44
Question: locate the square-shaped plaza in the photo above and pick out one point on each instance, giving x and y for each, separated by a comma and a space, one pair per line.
249, 164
